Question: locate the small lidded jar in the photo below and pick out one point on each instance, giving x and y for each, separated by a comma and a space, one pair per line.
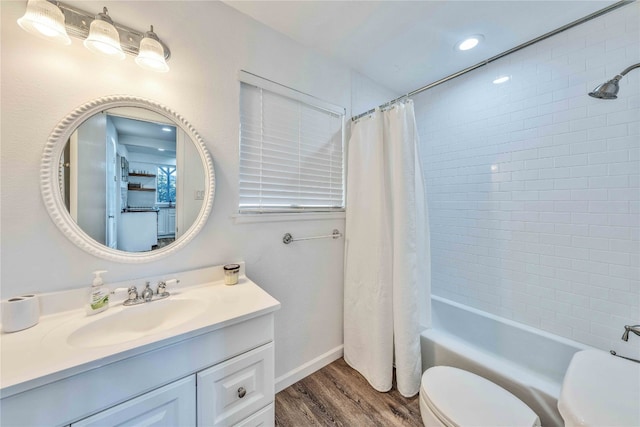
231, 272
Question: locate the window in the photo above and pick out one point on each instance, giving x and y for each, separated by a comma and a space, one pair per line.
291, 150
166, 186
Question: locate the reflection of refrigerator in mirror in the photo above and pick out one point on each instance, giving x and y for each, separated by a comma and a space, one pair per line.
147, 143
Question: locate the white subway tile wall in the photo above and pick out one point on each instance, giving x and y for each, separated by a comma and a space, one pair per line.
533, 186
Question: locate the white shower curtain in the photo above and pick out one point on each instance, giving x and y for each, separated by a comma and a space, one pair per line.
387, 270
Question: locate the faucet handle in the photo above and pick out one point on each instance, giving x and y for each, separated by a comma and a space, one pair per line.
133, 293
162, 288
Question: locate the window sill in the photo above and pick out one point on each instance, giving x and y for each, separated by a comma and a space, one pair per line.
282, 217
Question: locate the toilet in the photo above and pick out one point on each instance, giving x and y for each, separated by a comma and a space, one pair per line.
452, 397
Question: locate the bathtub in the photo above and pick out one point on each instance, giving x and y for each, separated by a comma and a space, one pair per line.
528, 362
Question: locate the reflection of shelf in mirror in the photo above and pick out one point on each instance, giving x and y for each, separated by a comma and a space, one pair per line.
142, 189
142, 174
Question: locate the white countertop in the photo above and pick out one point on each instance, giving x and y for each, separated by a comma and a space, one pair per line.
41, 354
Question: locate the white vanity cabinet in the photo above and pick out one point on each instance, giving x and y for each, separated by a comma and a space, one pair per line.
238, 391
218, 370
158, 382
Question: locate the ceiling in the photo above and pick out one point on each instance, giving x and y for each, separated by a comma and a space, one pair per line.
146, 137
405, 45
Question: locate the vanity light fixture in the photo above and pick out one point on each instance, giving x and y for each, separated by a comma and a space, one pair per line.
57, 21
103, 37
470, 42
166, 129
501, 79
46, 20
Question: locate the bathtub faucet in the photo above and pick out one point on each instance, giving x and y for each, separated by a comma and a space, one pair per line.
635, 329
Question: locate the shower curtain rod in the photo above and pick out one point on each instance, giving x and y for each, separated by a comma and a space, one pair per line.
501, 55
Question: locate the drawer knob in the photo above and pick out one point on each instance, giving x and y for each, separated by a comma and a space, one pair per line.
241, 392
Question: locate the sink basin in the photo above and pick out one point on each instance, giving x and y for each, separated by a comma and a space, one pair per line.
600, 390
135, 322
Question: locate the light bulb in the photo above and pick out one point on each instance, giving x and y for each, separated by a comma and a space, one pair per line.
103, 37
151, 53
45, 20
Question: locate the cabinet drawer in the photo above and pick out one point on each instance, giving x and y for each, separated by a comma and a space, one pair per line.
232, 390
171, 405
265, 417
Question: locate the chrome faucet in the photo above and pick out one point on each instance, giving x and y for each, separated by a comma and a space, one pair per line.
635, 329
147, 295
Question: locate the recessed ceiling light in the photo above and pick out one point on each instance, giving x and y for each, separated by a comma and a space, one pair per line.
166, 129
501, 79
160, 149
470, 42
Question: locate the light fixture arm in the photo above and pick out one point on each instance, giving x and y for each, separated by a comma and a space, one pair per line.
77, 23
104, 16
151, 34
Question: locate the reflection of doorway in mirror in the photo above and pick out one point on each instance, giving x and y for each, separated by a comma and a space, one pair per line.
149, 148
113, 190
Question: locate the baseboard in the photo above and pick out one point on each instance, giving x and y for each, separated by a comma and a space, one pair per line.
308, 368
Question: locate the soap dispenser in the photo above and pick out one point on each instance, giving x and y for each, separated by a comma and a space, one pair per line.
99, 295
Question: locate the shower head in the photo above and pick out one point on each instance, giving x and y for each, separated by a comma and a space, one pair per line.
609, 90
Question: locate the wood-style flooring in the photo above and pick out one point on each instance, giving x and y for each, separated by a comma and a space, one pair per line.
338, 395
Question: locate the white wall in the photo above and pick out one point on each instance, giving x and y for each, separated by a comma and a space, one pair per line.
42, 82
190, 180
533, 186
92, 164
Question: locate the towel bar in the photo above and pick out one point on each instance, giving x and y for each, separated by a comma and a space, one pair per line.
288, 238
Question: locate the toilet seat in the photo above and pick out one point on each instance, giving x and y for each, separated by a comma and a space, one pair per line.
459, 399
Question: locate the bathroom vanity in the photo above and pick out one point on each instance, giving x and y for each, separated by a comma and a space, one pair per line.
140, 365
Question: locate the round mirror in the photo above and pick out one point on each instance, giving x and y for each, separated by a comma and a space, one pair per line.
127, 179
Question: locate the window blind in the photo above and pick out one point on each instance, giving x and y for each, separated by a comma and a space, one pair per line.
291, 154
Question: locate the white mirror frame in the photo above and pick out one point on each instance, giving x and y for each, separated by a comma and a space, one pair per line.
52, 196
